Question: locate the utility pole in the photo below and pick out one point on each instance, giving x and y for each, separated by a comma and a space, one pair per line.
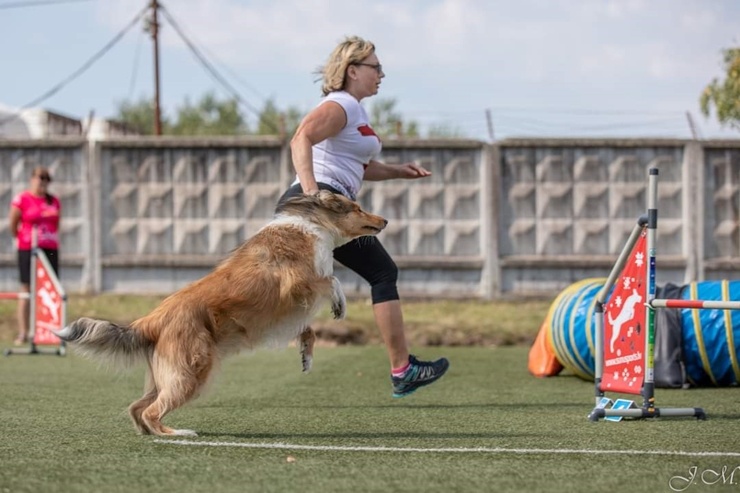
489, 121
692, 126
154, 26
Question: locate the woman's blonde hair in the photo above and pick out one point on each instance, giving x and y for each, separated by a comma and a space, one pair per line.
353, 49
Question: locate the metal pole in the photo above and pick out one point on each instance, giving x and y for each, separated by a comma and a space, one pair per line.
489, 121
34, 287
155, 38
696, 304
648, 391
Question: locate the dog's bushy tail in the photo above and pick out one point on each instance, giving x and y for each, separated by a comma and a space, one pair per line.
107, 342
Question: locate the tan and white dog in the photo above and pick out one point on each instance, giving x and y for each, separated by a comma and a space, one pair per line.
264, 294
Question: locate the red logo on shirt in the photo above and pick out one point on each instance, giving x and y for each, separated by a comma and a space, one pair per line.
367, 131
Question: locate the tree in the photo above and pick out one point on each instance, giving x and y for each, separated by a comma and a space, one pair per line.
725, 95
139, 116
272, 121
210, 117
387, 122
292, 118
444, 130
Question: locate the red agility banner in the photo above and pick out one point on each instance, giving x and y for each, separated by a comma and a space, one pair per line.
49, 302
624, 325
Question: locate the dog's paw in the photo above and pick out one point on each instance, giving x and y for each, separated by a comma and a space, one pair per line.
338, 300
307, 362
306, 342
339, 309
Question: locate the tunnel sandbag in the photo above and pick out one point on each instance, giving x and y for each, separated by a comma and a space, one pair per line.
542, 360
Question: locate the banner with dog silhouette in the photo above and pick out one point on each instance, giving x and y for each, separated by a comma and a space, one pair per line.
624, 324
48, 305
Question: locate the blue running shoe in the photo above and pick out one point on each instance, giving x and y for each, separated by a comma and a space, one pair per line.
419, 374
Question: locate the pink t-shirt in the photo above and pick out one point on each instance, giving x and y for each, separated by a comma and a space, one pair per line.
40, 213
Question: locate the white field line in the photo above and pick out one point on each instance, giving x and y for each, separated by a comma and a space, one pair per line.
444, 450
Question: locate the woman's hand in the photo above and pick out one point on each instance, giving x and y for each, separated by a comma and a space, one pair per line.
377, 171
411, 170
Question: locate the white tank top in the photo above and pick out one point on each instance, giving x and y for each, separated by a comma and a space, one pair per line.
340, 161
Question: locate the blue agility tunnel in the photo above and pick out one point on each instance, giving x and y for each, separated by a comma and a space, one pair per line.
692, 347
711, 338
572, 327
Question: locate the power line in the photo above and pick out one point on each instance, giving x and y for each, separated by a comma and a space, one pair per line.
213, 72
226, 68
237, 77
672, 128
79, 71
582, 111
583, 124
135, 69
37, 3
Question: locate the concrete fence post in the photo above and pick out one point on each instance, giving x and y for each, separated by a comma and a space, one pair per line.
693, 207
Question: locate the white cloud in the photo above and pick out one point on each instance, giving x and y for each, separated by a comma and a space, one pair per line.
662, 65
699, 21
249, 34
603, 59
624, 8
478, 50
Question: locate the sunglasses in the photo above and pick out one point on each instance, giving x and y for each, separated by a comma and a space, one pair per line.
44, 177
377, 66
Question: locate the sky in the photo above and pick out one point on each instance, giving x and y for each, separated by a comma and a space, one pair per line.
532, 68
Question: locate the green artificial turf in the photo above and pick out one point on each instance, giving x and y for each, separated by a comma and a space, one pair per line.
64, 427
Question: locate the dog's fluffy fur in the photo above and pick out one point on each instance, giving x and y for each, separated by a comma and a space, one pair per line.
264, 293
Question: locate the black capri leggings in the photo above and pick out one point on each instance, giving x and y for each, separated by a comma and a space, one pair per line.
24, 263
366, 256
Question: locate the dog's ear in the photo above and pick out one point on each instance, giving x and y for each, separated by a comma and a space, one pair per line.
325, 195
325, 198
297, 201
335, 202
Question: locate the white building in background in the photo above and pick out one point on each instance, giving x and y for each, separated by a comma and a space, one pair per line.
101, 129
38, 123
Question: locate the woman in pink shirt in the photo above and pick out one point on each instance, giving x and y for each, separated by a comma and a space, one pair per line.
32, 209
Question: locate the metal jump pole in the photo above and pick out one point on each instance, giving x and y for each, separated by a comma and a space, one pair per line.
648, 409
601, 300
38, 256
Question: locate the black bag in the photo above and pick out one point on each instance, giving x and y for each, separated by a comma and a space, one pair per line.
670, 371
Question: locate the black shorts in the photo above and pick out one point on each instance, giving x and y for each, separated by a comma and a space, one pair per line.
24, 263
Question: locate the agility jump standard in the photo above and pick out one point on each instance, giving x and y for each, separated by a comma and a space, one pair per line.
626, 343
48, 307
15, 296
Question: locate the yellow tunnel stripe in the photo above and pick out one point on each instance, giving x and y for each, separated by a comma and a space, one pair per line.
699, 336
729, 332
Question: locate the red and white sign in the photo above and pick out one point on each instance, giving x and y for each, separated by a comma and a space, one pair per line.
624, 325
48, 304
